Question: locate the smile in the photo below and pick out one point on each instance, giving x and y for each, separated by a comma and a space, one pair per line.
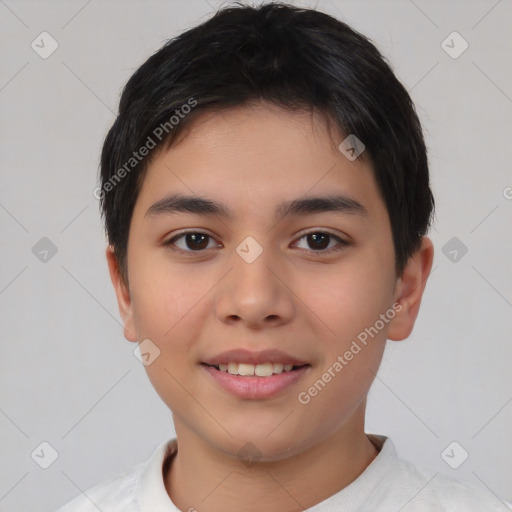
259, 370
255, 381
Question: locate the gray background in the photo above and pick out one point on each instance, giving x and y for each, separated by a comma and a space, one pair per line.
67, 375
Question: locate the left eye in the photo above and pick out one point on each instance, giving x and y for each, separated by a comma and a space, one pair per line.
319, 240
195, 241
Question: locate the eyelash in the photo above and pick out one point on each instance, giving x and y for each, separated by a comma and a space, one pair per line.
342, 243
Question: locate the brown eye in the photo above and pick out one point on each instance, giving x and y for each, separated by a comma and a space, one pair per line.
319, 241
191, 241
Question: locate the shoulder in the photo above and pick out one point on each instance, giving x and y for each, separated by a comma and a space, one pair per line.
127, 491
457, 494
422, 489
117, 494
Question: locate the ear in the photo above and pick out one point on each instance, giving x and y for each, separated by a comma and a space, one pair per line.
123, 295
409, 291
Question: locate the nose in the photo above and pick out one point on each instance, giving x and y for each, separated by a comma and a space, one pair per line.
257, 294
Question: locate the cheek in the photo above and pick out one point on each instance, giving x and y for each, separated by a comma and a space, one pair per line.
166, 303
163, 298
348, 298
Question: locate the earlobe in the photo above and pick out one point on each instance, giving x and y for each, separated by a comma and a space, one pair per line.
409, 290
122, 294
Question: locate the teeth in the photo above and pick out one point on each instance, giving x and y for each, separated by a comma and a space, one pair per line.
278, 367
233, 368
245, 369
260, 370
263, 370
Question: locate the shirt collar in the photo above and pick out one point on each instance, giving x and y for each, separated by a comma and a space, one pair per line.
152, 494
354, 495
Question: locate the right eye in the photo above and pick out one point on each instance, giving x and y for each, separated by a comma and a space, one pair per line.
192, 241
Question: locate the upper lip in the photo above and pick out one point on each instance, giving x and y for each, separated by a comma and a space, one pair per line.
250, 357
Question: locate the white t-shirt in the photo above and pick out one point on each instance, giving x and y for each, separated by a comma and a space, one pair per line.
388, 484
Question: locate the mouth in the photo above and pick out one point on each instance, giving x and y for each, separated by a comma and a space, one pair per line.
258, 370
255, 381
255, 375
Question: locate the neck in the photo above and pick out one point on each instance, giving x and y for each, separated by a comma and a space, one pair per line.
202, 477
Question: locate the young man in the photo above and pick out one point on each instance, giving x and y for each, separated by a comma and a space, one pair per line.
265, 191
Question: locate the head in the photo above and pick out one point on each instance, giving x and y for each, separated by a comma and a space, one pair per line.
300, 247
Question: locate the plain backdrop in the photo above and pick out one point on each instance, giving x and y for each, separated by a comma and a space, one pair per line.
68, 377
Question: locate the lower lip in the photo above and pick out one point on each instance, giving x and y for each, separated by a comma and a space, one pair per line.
253, 387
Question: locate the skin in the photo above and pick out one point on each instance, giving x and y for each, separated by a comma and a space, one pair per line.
293, 297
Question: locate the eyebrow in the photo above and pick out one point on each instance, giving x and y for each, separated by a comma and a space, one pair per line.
309, 205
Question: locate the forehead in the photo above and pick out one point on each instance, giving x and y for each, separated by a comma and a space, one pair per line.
260, 156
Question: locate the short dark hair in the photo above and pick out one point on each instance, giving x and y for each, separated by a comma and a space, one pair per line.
296, 58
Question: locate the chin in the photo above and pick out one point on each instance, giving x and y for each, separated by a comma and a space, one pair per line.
264, 444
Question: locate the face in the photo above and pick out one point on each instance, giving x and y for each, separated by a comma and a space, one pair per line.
257, 283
